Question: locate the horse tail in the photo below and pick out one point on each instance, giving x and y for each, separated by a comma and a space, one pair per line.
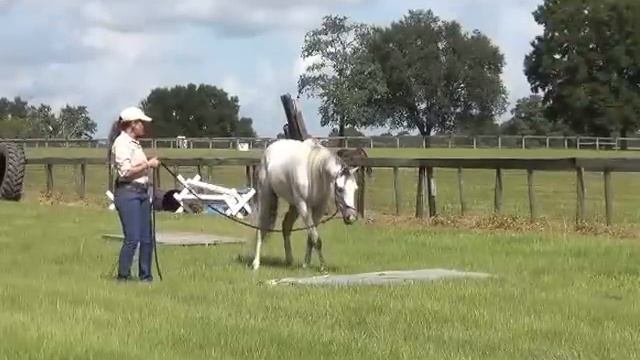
267, 200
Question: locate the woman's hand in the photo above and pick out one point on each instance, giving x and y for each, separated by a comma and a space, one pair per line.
153, 163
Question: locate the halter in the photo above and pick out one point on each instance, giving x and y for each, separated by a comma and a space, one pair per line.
340, 203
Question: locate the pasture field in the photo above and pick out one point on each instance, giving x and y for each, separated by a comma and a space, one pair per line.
553, 296
555, 191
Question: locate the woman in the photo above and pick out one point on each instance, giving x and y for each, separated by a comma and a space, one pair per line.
131, 197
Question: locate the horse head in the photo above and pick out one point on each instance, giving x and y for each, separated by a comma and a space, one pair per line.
345, 194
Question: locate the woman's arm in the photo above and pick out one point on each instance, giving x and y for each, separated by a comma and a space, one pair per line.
135, 171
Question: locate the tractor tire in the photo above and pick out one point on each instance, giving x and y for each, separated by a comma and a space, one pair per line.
12, 168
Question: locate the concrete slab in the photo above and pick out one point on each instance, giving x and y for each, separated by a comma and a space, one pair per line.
379, 278
185, 239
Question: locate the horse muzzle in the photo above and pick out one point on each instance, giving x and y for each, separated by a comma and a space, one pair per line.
350, 219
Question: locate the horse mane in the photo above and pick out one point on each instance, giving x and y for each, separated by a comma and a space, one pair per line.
319, 162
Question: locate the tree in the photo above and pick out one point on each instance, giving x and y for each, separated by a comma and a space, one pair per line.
13, 118
13, 108
195, 111
528, 118
21, 120
586, 64
73, 122
348, 131
438, 78
339, 76
42, 121
245, 128
12, 127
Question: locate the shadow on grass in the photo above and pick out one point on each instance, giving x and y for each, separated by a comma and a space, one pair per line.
279, 262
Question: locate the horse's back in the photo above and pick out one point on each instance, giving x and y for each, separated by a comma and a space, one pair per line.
284, 158
284, 151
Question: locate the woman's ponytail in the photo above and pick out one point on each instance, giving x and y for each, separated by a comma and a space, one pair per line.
113, 134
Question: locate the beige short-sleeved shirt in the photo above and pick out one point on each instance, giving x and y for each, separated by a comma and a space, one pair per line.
127, 153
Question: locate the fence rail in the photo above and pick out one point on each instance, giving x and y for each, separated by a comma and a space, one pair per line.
425, 167
387, 142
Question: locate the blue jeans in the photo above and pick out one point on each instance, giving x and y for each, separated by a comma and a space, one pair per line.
135, 215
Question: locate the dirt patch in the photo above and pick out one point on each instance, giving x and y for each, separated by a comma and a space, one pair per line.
506, 223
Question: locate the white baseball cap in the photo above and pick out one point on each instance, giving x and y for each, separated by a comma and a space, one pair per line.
133, 113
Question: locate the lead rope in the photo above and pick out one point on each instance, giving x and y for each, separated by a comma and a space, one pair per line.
153, 225
245, 223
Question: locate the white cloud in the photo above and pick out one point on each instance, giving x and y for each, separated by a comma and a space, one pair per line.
109, 54
237, 18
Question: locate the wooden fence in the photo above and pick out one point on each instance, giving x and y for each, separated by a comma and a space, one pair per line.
425, 198
386, 142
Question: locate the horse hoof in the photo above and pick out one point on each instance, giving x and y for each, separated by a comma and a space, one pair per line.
255, 266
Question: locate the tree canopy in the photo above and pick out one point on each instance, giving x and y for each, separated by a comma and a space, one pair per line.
586, 64
438, 77
528, 118
348, 131
418, 73
196, 111
337, 75
18, 119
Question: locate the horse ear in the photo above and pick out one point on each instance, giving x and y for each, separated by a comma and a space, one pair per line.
353, 170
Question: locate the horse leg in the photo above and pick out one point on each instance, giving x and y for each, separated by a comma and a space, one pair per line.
287, 225
312, 233
311, 219
267, 210
317, 216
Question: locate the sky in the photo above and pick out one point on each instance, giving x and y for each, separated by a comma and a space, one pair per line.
109, 54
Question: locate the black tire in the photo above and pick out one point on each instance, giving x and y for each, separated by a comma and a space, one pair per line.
12, 167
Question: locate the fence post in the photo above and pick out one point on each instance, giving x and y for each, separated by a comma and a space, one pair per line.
499, 142
431, 192
524, 142
497, 203
547, 142
361, 191
566, 143
254, 176
76, 178
532, 195
397, 142
597, 143
608, 196
209, 173
156, 178
396, 189
422, 173
248, 176
581, 194
49, 172
83, 180
79, 176
475, 143
463, 206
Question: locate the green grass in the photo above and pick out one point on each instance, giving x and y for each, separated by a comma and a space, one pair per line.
553, 297
555, 191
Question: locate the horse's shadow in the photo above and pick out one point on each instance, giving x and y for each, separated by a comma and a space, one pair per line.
279, 262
